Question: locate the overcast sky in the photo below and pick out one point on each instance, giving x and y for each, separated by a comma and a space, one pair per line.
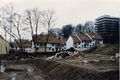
70, 11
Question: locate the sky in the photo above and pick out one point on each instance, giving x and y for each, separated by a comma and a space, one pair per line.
70, 11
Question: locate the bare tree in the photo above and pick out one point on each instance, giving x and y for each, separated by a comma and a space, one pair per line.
17, 24
11, 20
2, 21
33, 21
8, 12
89, 26
48, 21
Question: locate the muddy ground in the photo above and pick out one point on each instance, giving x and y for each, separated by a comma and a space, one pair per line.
89, 67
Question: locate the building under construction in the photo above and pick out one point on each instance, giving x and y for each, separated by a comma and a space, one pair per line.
108, 27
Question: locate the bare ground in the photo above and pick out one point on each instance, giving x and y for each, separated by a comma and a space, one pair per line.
91, 67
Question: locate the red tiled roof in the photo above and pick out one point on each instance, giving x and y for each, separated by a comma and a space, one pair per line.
95, 36
84, 37
75, 39
63, 41
54, 39
51, 39
24, 44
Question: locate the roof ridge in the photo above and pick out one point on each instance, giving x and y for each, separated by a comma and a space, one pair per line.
88, 36
78, 38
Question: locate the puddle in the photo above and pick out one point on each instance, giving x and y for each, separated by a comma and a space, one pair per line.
2, 67
14, 70
29, 70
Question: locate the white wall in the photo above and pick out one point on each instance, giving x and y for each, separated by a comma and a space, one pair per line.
69, 43
81, 46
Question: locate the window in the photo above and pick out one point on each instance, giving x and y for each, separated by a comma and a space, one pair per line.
53, 44
41, 44
90, 41
85, 46
49, 48
52, 49
59, 44
82, 46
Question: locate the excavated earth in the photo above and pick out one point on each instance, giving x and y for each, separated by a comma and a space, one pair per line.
43, 69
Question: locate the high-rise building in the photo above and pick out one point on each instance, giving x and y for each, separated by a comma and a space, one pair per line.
108, 27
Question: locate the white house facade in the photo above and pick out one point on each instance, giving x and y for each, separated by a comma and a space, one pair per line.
26, 45
69, 43
85, 41
54, 44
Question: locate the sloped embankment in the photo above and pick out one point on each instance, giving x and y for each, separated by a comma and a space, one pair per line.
107, 49
62, 71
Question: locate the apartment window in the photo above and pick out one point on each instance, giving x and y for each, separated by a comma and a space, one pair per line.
49, 48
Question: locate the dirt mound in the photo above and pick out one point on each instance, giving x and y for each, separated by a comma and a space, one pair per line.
54, 70
62, 71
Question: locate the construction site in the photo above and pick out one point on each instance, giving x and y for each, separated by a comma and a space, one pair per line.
97, 64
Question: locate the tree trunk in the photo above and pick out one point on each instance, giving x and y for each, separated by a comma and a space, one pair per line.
46, 42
